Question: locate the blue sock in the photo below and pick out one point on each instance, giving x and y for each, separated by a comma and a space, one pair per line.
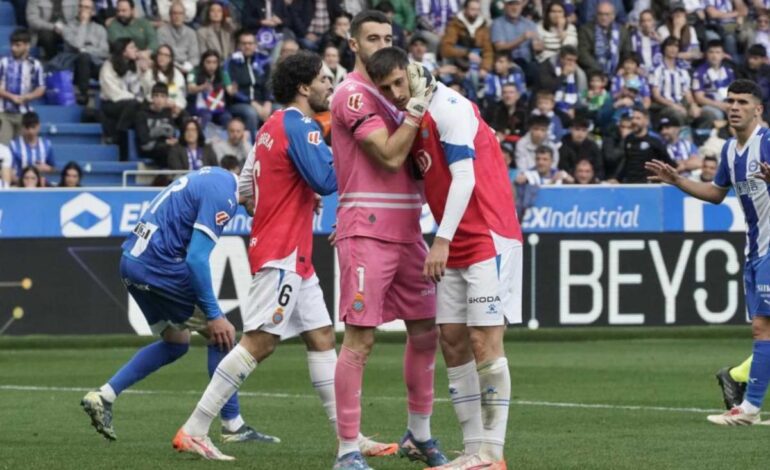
759, 375
146, 361
232, 409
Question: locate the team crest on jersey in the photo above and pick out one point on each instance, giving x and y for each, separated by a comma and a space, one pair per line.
355, 101
753, 166
278, 316
424, 161
222, 217
358, 303
314, 137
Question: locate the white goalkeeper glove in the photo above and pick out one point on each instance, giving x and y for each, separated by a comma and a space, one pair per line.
421, 85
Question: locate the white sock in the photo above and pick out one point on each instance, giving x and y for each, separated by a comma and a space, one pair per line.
466, 398
227, 379
232, 425
321, 365
419, 425
495, 382
108, 393
748, 407
347, 447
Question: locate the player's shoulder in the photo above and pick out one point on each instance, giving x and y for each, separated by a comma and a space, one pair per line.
298, 125
449, 106
352, 95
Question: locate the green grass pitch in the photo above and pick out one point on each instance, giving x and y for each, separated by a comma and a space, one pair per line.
651, 391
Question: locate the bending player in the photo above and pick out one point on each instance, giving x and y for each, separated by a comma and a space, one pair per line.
476, 257
380, 246
165, 267
744, 167
289, 165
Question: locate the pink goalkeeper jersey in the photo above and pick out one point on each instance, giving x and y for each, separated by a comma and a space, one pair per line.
373, 202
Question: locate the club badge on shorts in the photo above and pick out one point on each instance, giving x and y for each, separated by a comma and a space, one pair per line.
358, 302
278, 316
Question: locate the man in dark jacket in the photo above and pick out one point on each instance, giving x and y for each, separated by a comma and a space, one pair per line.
156, 126
307, 23
641, 147
576, 146
250, 71
602, 43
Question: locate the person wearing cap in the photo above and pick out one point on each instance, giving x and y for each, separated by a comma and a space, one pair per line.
645, 42
603, 42
514, 33
576, 146
629, 88
640, 147
683, 152
671, 85
710, 82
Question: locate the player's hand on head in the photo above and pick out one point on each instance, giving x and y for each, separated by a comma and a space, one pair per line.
435, 263
222, 333
422, 84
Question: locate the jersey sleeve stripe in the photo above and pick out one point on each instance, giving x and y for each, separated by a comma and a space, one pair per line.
207, 231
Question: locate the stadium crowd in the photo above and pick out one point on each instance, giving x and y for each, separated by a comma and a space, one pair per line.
579, 92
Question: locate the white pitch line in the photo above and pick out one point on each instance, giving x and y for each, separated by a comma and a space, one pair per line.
548, 404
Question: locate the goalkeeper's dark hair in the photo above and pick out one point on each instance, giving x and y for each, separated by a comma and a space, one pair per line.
295, 70
747, 87
367, 16
385, 61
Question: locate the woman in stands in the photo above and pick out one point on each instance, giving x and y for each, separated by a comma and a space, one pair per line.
555, 31
163, 71
677, 25
191, 153
71, 175
212, 86
121, 93
31, 178
217, 31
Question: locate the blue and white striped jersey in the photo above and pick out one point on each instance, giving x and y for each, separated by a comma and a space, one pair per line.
25, 154
737, 169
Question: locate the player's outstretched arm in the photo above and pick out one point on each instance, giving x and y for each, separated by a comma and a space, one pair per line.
664, 173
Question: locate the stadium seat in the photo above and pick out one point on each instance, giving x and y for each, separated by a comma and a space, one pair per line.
58, 114
85, 153
72, 133
7, 17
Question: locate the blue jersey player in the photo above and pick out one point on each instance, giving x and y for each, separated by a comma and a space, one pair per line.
165, 267
743, 166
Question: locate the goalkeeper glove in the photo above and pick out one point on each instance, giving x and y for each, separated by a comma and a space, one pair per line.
421, 85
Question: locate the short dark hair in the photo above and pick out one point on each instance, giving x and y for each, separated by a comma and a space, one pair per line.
640, 109
714, 43
159, 88
568, 50
748, 87
585, 160
631, 56
669, 41
544, 149
466, 2
544, 93
230, 162
711, 158
581, 121
21, 35
130, 2
385, 6
597, 73
384, 61
501, 55
757, 50
295, 70
30, 119
367, 16
243, 32
538, 120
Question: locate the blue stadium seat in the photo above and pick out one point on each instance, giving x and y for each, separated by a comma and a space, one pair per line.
6, 30
58, 114
85, 153
7, 17
105, 173
71, 133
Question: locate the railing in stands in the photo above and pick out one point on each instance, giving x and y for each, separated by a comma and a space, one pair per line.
137, 173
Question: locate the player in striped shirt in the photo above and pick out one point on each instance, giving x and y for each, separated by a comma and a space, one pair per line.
29, 149
744, 166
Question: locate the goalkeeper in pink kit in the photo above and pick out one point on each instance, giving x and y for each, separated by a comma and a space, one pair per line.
476, 257
380, 246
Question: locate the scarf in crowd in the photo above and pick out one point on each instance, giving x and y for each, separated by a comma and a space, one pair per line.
608, 49
438, 11
567, 94
648, 50
194, 158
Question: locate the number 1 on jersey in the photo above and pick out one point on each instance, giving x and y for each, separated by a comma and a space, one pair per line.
360, 270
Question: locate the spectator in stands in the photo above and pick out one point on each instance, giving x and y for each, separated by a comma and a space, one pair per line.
508, 150
6, 166
710, 82
47, 19
467, 43
506, 117
561, 75
31, 178
120, 92
590, 10
267, 15
671, 85
29, 149
555, 31
338, 37
252, 101
399, 36
762, 29
527, 146
585, 173
237, 142
709, 169
71, 175
629, 87
181, 38
576, 146
757, 69
212, 88
613, 144
728, 16
545, 105
163, 8
596, 100
310, 19
331, 59
640, 147
514, 34
683, 152
288, 47
403, 16
602, 43
85, 49
504, 72
21, 81
678, 26
191, 153
543, 173
163, 71
156, 126
419, 53
645, 43
139, 30
231, 164
216, 34
432, 19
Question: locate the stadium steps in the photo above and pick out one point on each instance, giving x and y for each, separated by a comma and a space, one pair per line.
58, 114
72, 133
105, 173
84, 153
